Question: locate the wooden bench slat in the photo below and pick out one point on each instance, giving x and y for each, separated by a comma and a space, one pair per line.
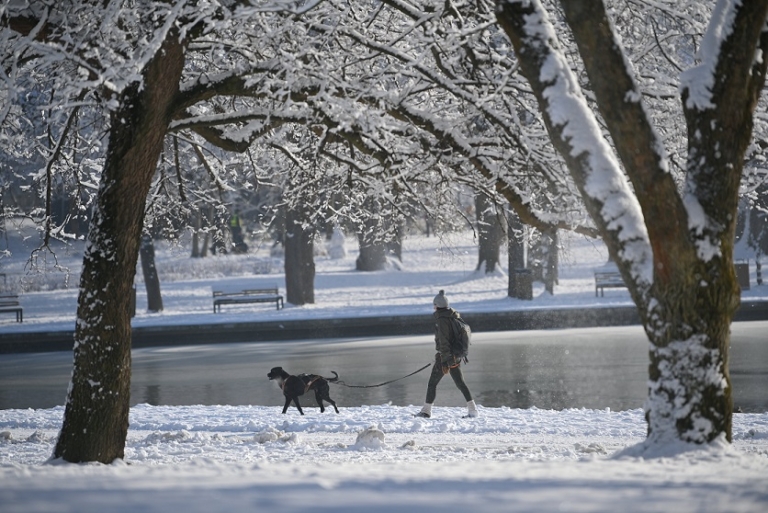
608, 279
244, 296
10, 304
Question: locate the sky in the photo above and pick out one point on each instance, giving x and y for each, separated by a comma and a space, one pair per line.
375, 458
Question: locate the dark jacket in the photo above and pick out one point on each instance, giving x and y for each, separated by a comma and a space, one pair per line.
443, 333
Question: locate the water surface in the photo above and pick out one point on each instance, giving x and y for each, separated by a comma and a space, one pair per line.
593, 368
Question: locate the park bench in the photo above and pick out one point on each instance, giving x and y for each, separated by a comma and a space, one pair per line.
246, 296
10, 304
605, 279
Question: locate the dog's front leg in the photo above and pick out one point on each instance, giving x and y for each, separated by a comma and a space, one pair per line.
287, 403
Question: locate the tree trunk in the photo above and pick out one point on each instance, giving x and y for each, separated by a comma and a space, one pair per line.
195, 245
151, 279
550, 261
372, 237
96, 412
204, 245
515, 252
490, 233
678, 265
3, 232
373, 249
520, 280
299, 259
196, 236
394, 245
758, 222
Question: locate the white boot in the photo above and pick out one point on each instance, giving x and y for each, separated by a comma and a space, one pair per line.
471, 408
426, 411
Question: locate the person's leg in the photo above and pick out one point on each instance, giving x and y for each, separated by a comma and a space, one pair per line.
434, 379
458, 378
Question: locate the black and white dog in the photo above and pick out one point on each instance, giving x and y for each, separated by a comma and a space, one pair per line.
294, 386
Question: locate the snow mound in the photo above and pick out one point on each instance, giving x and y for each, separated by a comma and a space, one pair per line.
371, 438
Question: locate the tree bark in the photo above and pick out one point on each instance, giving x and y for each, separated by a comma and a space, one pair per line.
687, 300
96, 412
299, 259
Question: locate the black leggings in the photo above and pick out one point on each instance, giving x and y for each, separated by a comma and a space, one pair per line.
437, 375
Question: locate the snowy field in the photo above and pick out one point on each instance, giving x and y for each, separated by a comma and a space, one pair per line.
380, 459
375, 458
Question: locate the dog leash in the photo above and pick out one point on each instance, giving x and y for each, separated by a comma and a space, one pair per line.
382, 384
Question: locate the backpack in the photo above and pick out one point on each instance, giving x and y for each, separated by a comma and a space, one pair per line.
461, 338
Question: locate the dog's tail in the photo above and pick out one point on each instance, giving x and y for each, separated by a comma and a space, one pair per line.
333, 379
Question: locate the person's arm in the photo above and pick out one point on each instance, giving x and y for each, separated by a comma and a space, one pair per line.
443, 339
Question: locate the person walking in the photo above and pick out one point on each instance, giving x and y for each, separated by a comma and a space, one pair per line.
445, 361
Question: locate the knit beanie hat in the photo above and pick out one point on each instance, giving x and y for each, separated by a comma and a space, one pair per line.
440, 300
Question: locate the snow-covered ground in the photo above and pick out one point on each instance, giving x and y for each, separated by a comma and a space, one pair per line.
376, 458
381, 459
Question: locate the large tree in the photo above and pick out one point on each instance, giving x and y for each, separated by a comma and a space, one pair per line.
125, 64
674, 246
99, 394
490, 233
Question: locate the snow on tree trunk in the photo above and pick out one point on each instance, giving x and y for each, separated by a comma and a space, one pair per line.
690, 396
96, 413
687, 298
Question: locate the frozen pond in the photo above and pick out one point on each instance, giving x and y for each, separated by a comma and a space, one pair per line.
592, 368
